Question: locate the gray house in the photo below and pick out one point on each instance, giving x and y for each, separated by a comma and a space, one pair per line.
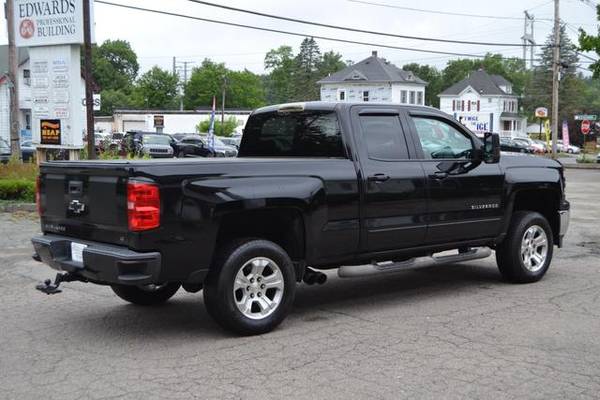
373, 79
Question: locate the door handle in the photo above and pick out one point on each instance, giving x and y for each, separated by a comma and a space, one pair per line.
378, 178
439, 175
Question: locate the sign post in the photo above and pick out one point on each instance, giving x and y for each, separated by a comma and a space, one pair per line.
541, 113
53, 31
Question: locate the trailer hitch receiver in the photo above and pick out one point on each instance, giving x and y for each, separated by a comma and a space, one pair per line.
49, 287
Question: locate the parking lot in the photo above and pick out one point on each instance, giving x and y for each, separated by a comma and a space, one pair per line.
445, 332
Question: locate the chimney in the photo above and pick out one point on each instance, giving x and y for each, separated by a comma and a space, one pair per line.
374, 53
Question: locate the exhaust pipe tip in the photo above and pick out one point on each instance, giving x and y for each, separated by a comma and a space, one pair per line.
310, 279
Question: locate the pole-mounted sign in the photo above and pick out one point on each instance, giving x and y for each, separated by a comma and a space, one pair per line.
53, 30
585, 126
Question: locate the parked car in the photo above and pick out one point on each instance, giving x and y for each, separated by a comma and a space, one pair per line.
27, 151
179, 136
571, 149
194, 145
396, 186
232, 141
155, 145
531, 144
510, 145
4, 151
221, 149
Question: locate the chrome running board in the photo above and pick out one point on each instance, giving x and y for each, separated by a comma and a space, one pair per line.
352, 271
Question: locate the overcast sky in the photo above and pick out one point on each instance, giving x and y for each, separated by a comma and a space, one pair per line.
157, 38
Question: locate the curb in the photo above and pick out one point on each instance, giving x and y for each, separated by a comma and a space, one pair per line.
582, 166
9, 207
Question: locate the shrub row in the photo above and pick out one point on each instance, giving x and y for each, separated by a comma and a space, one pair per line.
17, 189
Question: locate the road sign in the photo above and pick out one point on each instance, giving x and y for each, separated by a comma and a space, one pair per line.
585, 127
583, 117
159, 121
541, 112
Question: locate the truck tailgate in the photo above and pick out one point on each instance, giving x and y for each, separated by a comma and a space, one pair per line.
85, 201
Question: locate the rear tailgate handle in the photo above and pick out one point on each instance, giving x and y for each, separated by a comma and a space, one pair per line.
378, 178
75, 187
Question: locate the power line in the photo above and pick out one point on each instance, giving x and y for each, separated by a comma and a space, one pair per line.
372, 3
215, 21
350, 29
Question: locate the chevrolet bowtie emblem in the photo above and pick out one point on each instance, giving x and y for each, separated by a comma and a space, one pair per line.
76, 207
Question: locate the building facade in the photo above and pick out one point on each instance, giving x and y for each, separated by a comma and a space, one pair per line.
373, 79
485, 103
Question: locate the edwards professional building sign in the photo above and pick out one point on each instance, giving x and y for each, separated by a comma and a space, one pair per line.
48, 22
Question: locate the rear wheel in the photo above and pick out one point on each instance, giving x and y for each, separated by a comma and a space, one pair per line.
251, 287
147, 295
525, 254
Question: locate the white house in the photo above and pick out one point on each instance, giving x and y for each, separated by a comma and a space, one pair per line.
24, 90
373, 79
484, 103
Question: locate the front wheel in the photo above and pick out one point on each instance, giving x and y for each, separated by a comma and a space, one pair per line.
525, 254
147, 295
251, 287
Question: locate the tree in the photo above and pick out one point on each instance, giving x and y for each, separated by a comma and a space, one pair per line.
279, 82
243, 89
433, 77
330, 63
156, 89
205, 82
113, 99
307, 71
589, 42
538, 92
115, 65
228, 127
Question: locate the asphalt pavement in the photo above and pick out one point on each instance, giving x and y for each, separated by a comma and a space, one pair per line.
440, 333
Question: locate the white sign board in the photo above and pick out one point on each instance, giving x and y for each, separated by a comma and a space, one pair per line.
49, 22
55, 96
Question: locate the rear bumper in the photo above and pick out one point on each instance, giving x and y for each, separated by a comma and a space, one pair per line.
102, 263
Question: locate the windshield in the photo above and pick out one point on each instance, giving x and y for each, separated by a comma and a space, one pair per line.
296, 134
156, 139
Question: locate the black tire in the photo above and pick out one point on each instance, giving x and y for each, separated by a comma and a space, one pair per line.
508, 253
219, 296
146, 297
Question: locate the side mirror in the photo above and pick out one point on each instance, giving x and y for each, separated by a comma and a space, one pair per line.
491, 148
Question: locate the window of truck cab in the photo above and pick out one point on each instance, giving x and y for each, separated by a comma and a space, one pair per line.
440, 139
307, 133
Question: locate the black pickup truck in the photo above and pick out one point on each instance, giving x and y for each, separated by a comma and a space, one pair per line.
364, 188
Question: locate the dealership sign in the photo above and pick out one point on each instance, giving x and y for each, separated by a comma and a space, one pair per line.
541, 112
48, 22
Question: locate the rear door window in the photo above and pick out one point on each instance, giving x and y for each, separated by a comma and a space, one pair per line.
384, 137
294, 134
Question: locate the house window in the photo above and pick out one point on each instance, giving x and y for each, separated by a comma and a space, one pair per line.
420, 98
469, 105
490, 100
462, 105
365, 95
27, 77
411, 98
403, 96
453, 105
341, 95
478, 106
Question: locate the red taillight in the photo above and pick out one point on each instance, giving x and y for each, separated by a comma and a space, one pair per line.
38, 195
143, 206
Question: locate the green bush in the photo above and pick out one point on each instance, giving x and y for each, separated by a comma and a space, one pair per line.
17, 189
229, 126
586, 159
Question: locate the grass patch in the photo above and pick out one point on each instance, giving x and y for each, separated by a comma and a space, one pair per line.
19, 170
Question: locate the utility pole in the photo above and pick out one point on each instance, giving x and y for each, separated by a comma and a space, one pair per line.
223, 105
185, 75
13, 76
527, 38
87, 74
555, 77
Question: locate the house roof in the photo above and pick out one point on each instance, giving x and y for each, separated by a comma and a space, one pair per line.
373, 69
480, 81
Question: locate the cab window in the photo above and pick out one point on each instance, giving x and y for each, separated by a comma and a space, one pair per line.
440, 140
